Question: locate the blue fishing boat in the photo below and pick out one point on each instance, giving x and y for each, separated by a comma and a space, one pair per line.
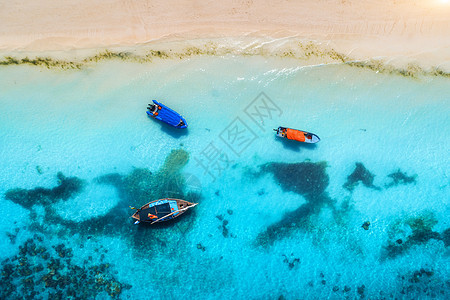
163, 113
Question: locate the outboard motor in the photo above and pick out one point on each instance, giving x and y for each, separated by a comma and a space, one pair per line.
152, 108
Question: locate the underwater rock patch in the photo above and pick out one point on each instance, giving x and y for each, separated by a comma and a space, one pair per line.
201, 247
297, 219
141, 185
400, 177
305, 178
169, 181
281, 229
366, 225
446, 237
136, 188
291, 262
42, 272
423, 283
13, 236
420, 231
361, 290
39, 170
360, 174
53, 270
138, 185
67, 188
224, 226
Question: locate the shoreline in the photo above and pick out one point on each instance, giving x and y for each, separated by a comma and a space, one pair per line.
303, 52
399, 33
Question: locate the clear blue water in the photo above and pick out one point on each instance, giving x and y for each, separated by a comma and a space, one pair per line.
275, 219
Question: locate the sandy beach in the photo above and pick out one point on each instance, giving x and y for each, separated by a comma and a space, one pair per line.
362, 29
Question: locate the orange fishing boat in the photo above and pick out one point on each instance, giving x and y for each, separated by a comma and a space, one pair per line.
297, 135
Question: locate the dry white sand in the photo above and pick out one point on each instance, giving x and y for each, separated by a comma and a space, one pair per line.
418, 29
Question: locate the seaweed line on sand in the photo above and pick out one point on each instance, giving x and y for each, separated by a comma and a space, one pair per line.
303, 51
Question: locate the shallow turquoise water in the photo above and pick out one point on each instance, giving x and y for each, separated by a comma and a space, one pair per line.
274, 219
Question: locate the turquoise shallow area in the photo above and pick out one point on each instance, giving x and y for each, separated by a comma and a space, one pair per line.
362, 214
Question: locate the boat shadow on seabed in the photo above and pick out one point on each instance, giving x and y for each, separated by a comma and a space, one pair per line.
294, 145
172, 131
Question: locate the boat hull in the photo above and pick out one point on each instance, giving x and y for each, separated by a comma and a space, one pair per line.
166, 115
297, 135
162, 210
